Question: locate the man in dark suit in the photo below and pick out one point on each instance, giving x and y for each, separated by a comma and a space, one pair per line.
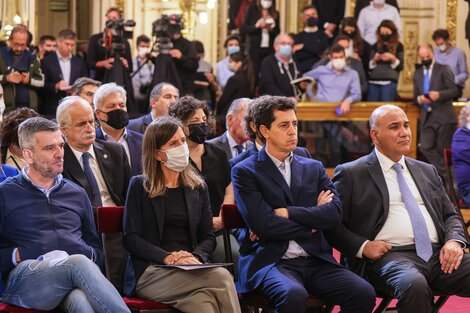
161, 96
399, 227
100, 167
288, 201
61, 70
434, 89
234, 140
111, 111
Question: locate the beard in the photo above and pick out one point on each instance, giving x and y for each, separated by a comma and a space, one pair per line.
46, 169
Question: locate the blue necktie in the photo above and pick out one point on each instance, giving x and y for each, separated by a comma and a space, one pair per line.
426, 81
420, 230
90, 177
239, 149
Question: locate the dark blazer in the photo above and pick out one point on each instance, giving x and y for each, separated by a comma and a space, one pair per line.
144, 225
237, 87
140, 124
364, 194
259, 189
134, 141
252, 15
300, 151
274, 80
115, 168
52, 75
442, 80
222, 143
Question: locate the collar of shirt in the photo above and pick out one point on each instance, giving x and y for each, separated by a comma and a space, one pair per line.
311, 29
232, 143
285, 63
79, 154
258, 146
124, 135
61, 58
386, 164
57, 181
277, 162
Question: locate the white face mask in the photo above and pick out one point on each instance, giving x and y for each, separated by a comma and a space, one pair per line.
379, 1
442, 47
338, 64
349, 51
177, 158
142, 52
266, 4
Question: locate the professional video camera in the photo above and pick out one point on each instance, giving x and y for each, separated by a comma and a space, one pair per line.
115, 35
164, 28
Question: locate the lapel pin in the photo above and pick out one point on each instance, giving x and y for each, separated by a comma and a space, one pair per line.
105, 156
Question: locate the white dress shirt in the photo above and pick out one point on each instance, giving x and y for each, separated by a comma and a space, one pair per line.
122, 141
233, 145
104, 193
65, 66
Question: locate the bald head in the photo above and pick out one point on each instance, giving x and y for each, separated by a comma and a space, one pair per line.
380, 112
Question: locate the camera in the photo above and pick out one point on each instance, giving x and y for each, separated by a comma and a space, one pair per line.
164, 28
114, 36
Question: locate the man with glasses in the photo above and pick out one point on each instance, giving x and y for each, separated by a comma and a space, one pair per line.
85, 88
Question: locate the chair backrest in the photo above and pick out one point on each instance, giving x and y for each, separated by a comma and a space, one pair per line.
230, 217
109, 219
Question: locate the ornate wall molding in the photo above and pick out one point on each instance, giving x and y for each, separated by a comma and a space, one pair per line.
451, 18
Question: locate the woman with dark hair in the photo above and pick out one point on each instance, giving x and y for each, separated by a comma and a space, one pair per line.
261, 27
385, 64
10, 150
240, 85
208, 160
168, 222
360, 47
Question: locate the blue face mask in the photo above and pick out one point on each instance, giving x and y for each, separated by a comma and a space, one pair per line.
285, 50
233, 49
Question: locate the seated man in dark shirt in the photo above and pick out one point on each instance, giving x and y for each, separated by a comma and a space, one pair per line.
48, 241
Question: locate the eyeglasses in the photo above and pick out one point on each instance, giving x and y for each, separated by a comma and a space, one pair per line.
88, 94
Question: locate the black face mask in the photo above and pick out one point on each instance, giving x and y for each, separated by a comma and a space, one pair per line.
198, 132
385, 37
351, 34
46, 53
312, 21
426, 63
117, 119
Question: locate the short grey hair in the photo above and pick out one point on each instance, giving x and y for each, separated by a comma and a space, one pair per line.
237, 105
81, 82
157, 90
65, 107
105, 90
278, 38
380, 112
28, 128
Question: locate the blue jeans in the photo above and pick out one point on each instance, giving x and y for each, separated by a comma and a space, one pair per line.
75, 284
382, 92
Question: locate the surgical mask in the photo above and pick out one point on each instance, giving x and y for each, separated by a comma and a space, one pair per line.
285, 50
349, 51
266, 4
142, 52
379, 1
426, 63
351, 34
442, 47
233, 49
198, 132
338, 64
312, 21
117, 119
177, 158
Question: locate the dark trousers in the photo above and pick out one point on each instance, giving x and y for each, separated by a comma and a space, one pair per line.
434, 138
288, 284
411, 280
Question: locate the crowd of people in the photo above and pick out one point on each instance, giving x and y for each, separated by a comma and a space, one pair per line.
175, 138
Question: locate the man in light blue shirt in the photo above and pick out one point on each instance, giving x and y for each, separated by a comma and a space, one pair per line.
446, 53
223, 73
371, 16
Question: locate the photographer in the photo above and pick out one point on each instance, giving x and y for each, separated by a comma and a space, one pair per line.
143, 75
173, 46
385, 64
99, 59
20, 72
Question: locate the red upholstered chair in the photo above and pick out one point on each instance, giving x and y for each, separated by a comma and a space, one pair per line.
8, 308
232, 219
109, 220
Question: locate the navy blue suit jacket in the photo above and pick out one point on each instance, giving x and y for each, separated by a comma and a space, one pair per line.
52, 75
259, 189
301, 151
140, 124
134, 140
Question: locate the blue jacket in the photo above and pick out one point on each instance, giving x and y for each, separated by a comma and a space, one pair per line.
259, 189
8, 171
37, 224
461, 161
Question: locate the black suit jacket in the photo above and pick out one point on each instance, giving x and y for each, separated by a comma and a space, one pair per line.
144, 225
52, 75
140, 124
134, 141
274, 80
237, 87
222, 143
442, 80
364, 195
114, 166
253, 14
